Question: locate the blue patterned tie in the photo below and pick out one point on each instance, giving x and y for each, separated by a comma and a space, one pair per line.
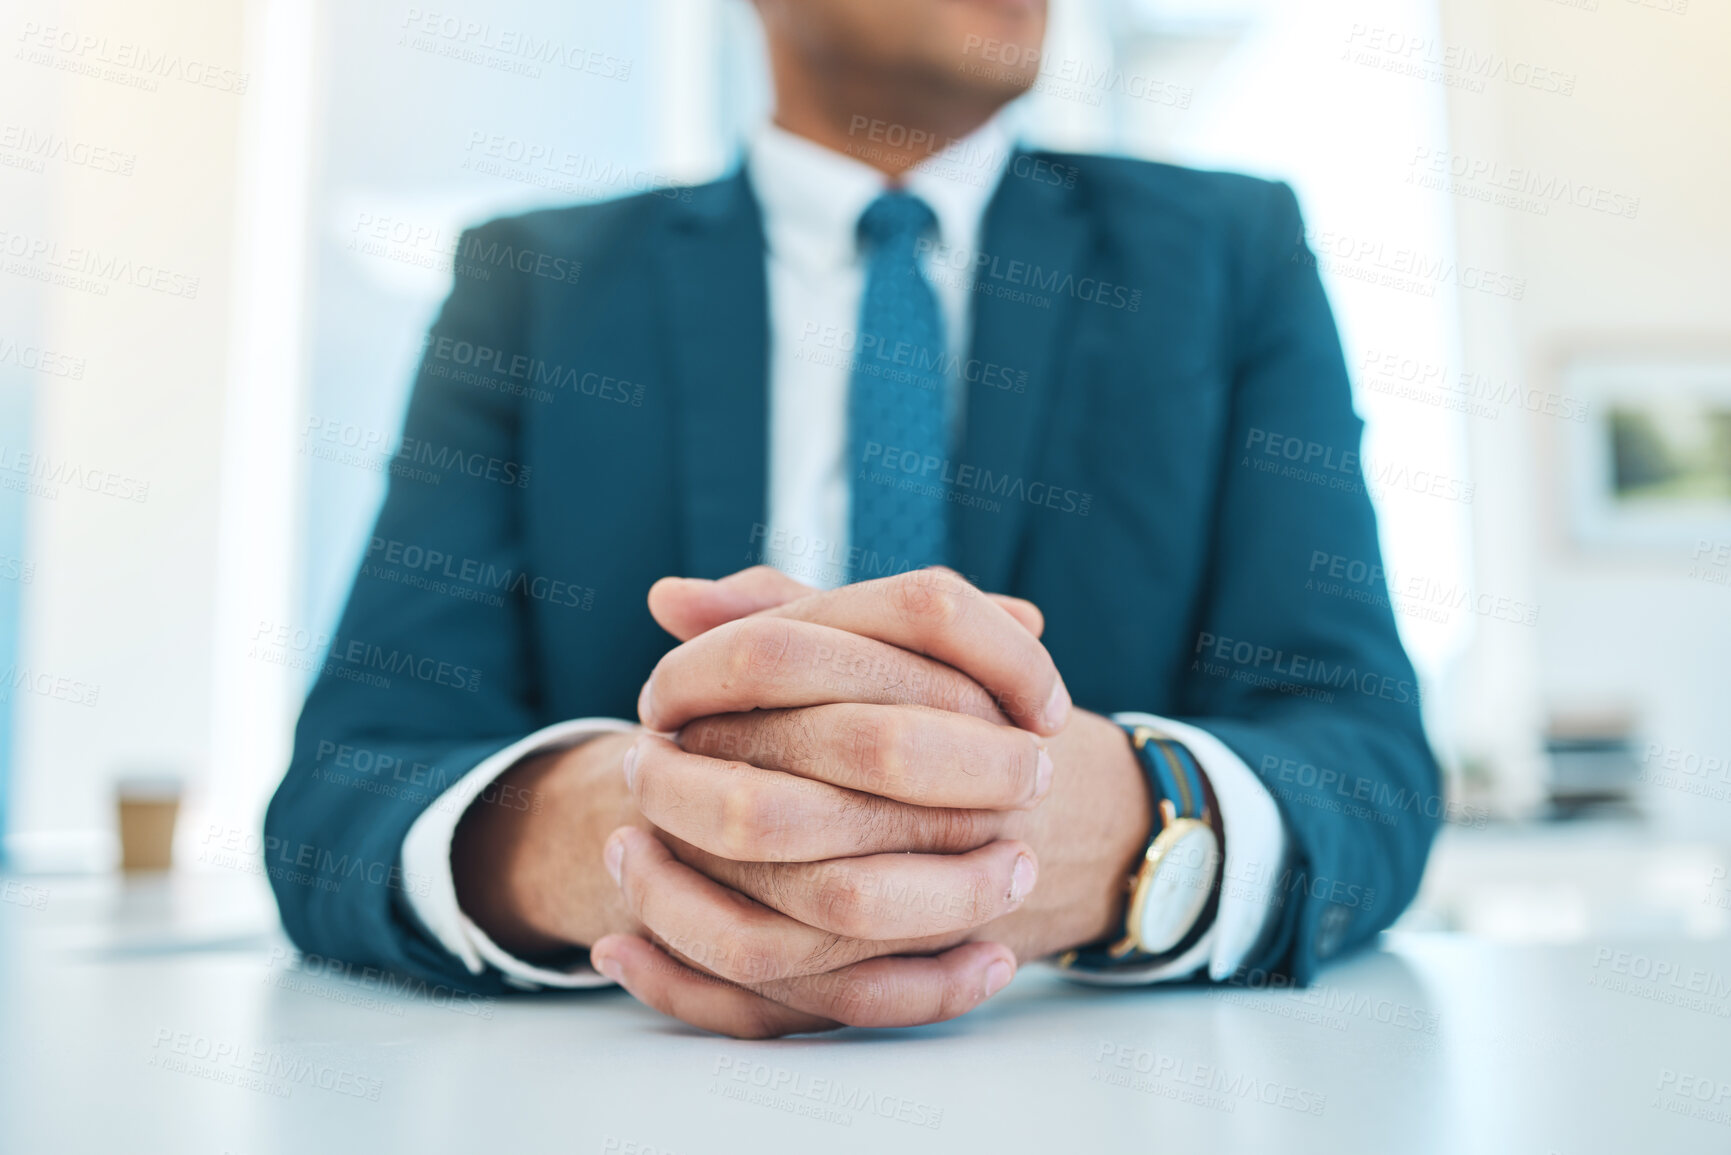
897, 433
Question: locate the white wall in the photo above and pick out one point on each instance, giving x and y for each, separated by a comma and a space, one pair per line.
121, 596
352, 113
1649, 117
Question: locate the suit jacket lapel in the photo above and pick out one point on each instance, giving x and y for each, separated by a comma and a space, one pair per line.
718, 341
1032, 249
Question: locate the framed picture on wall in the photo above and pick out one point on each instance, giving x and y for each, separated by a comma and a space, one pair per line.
1650, 466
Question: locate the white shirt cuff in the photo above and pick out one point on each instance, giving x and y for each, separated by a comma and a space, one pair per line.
427, 854
1255, 849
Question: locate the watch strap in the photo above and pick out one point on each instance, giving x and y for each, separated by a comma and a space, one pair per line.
1180, 790
1173, 771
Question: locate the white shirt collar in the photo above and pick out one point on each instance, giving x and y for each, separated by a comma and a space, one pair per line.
812, 197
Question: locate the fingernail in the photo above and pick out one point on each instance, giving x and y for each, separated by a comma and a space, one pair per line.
646, 704
612, 855
998, 976
1022, 878
1042, 775
630, 765
1057, 706
610, 967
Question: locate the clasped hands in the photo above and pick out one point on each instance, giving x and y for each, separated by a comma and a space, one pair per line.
853, 807
846, 814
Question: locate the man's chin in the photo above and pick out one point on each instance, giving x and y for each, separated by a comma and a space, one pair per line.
995, 44
1016, 9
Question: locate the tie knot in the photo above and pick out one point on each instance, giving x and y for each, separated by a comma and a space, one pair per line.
895, 218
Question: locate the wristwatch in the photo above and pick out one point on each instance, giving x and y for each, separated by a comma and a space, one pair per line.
1174, 891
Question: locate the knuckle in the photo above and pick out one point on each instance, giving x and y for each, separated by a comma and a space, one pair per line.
757, 652
696, 955
840, 904
877, 744
757, 1020
856, 1001
641, 783
736, 738
740, 822
955, 692
931, 599
1038, 673
824, 955
1018, 765
632, 885
955, 998
950, 830
776, 885
646, 777
747, 823
976, 900
793, 735
742, 957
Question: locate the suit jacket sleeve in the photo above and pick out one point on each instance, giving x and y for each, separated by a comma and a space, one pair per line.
1312, 690
425, 676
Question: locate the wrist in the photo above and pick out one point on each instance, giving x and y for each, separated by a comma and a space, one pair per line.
1129, 819
1174, 892
532, 878
1089, 835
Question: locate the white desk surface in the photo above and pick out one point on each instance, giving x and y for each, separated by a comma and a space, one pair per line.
168, 1016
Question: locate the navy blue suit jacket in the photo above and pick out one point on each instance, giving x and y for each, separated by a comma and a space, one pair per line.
1164, 460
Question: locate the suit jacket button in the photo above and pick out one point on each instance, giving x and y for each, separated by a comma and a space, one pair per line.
1331, 929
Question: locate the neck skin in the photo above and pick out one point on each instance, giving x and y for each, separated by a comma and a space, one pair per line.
856, 113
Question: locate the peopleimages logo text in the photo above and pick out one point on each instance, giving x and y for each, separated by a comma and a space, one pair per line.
991, 268
1305, 670
941, 471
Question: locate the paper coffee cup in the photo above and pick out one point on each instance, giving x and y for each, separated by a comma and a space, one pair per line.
148, 807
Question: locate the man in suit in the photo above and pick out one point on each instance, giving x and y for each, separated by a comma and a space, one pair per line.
1130, 726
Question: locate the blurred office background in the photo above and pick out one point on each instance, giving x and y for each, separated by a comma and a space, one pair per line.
224, 229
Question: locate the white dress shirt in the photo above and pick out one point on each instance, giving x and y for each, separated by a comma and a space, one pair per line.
812, 199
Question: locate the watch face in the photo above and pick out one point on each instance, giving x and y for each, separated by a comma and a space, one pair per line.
1178, 889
